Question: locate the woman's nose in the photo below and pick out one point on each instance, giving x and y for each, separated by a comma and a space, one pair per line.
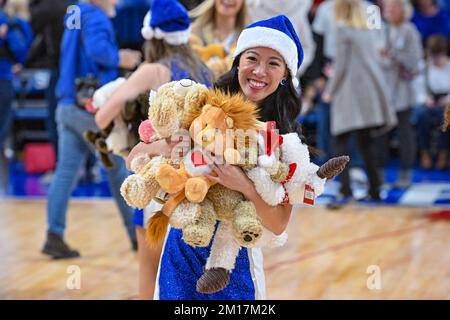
259, 70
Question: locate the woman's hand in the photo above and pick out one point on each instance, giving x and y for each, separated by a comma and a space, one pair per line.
163, 147
231, 177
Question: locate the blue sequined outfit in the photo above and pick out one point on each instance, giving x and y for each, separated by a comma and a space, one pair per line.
182, 265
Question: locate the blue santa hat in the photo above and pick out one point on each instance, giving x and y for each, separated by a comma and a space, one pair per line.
167, 20
276, 33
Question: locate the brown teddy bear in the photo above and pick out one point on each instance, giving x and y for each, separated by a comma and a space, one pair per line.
239, 223
216, 56
166, 114
220, 116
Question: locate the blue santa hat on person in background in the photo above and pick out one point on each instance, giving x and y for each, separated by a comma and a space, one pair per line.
167, 20
276, 33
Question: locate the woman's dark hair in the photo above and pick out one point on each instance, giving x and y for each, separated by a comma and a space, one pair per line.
283, 106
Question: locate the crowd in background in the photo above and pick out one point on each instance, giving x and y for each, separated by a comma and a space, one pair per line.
405, 67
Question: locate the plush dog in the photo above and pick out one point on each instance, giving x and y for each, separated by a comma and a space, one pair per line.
120, 135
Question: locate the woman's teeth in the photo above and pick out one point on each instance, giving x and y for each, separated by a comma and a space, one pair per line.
257, 83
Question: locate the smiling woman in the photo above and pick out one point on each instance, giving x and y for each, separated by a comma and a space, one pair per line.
267, 57
261, 71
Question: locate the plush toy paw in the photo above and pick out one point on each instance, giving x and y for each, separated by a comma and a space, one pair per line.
135, 192
170, 179
213, 280
91, 136
196, 236
333, 167
200, 233
246, 225
101, 145
106, 160
196, 189
139, 162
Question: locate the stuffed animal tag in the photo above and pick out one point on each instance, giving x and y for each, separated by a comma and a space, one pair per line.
309, 195
197, 158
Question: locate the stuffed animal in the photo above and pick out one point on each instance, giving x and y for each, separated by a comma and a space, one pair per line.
220, 66
114, 137
219, 113
217, 57
204, 131
446, 117
119, 136
85, 89
166, 116
277, 181
285, 174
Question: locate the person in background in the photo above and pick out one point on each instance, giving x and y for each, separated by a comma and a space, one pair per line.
436, 84
430, 19
18, 8
190, 4
14, 45
219, 21
90, 49
358, 95
400, 59
324, 32
47, 21
168, 57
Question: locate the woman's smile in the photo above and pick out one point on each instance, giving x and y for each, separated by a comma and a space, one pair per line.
256, 85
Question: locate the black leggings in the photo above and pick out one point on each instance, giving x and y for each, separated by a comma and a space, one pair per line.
366, 148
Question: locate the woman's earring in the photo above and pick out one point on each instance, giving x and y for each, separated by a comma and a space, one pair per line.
283, 82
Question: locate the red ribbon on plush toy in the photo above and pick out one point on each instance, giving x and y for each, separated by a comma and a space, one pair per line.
271, 138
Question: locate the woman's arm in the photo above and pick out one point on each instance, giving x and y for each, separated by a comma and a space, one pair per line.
274, 218
148, 76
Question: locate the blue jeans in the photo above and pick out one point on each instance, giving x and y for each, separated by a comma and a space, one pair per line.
429, 119
72, 152
6, 113
326, 142
323, 137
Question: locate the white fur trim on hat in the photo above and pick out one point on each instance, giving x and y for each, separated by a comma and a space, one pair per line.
174, 38
270, 38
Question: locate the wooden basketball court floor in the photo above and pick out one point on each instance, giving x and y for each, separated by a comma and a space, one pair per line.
354, 253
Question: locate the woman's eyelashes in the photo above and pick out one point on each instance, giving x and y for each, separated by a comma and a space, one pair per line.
271, 63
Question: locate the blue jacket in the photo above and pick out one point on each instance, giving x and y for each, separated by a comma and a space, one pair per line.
16, 42
428, 26
91, 49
